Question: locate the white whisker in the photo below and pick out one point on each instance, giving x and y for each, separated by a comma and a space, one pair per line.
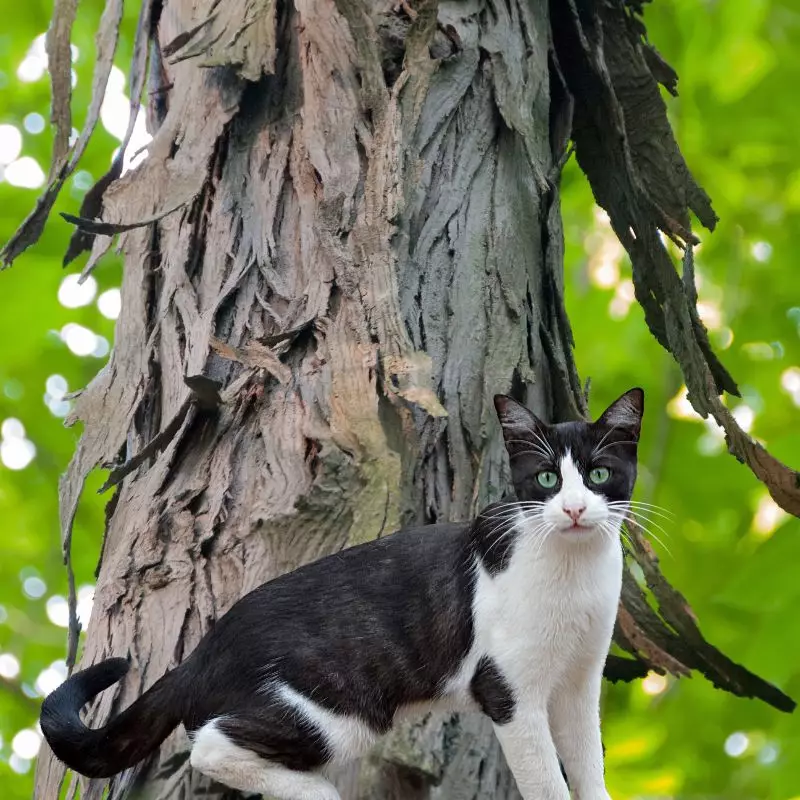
651, 507
545, 444
647, 530
512, 527
543, 532
636, 515
642, 517
533, 448
619, 532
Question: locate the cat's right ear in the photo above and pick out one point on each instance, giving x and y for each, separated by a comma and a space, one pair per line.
517, 422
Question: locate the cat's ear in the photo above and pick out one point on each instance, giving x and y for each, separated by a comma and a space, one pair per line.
625, 413
517, 422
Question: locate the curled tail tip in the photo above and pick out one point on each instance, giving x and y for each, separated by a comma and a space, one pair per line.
127, 738
117, 667
68, 699
71, 741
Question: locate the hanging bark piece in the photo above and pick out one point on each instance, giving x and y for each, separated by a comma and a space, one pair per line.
59, 61
95, 227
106, 43
690, 648
92, 204
626, 148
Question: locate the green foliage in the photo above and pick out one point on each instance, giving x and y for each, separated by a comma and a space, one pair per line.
736, 122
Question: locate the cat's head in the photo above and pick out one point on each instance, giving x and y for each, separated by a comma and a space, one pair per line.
574, 476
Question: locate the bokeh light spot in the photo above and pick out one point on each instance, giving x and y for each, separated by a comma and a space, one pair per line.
51, 678
24, 173
26, 743
85, 603
110, 303
18, 764
73, 294
736, 744
33, 123
10, 144
12, 428
769, 515
761, 251
78, 339
58, 610
9, 666
56, 386
16, 453
34, 587
654, 684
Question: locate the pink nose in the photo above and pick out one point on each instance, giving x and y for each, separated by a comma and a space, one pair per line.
575, 513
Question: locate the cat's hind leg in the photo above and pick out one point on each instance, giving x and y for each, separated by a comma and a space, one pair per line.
240, 753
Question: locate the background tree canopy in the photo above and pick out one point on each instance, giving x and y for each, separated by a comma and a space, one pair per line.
728, 547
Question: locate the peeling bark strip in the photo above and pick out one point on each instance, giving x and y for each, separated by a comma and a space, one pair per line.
66, 159
686, 645
626, 148
345, 240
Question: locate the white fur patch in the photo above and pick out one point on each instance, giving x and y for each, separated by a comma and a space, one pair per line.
556, 598
217, 757
347, 737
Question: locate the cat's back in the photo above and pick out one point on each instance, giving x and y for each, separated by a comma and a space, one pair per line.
372, 593
366, 630
408, 558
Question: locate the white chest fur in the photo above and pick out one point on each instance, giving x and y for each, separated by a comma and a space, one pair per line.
546, 622
550, 611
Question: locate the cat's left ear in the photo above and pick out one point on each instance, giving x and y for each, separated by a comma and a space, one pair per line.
517, 422
625, 413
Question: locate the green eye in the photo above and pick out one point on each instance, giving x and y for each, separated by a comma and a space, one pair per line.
547, 479
599, 475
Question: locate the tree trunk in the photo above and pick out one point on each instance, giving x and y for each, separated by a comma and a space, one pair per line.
366, 247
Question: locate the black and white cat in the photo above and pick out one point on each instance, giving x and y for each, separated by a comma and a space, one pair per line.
510, 614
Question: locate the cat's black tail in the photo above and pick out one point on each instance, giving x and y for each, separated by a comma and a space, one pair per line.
127, 738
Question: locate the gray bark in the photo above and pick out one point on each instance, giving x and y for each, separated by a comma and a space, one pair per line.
366, 248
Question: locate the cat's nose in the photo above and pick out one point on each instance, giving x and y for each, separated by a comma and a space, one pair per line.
574, 512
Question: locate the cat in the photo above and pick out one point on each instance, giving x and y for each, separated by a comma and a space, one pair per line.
510, 614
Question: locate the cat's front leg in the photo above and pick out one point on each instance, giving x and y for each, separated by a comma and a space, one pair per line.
575, 723
531, 754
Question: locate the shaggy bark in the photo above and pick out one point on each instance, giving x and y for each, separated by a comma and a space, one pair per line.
344, 241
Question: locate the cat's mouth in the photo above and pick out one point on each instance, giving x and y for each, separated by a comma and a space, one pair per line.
575, 529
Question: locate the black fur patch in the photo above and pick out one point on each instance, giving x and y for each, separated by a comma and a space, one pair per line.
492, 692
493, 536
277, 735
127, 738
